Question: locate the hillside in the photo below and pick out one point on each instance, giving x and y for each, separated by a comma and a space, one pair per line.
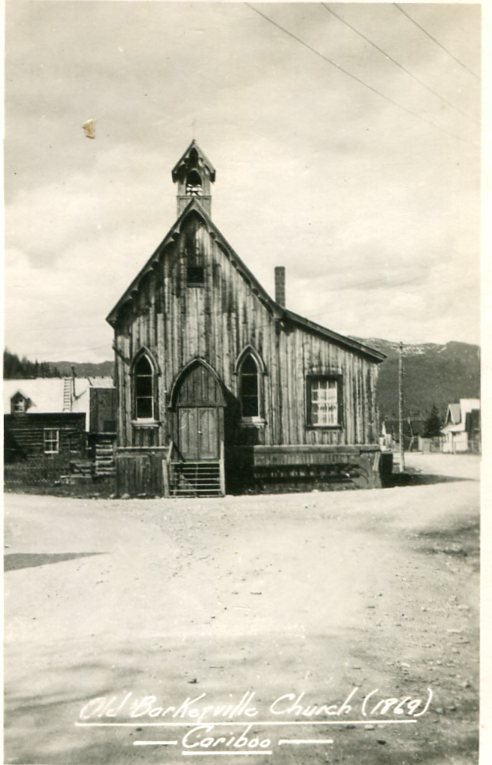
86, 369
15, 367
433, 374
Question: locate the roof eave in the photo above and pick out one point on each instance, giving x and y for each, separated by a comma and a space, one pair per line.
112, 315
366, 350
277, 310
194, 204
193, 145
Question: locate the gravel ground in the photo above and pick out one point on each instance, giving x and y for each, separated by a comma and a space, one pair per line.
315, 593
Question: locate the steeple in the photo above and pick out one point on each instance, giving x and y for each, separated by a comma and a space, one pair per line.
194, 173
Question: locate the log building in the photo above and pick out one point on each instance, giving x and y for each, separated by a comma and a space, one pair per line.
220, 387
55, 425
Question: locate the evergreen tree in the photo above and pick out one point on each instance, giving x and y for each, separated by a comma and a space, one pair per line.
433, 424
21, 368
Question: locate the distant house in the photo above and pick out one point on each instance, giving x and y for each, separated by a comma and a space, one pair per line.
461, 429
54, 423
412, 430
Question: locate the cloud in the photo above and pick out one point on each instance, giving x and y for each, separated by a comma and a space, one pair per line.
373, 212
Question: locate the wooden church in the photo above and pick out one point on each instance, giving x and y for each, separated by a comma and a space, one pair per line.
223, 389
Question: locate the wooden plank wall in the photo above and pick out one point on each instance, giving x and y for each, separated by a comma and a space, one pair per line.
216, 321
25, 432
102, 418
140, 473
278, 468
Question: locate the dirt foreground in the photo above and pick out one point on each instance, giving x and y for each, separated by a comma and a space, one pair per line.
338, 596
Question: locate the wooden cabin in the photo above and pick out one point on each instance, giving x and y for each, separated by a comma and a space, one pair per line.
57, 425
223, 389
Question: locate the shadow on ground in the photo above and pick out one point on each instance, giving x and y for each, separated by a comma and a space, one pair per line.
421, 479
16, 561
460, 540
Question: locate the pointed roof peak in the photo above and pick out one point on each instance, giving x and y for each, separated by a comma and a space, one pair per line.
187, 158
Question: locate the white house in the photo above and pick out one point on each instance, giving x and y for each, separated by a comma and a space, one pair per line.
461, 430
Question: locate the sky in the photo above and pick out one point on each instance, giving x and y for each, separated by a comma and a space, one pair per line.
367, 193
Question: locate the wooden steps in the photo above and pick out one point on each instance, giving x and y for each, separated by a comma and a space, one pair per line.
104, 464
80, 468
195, 479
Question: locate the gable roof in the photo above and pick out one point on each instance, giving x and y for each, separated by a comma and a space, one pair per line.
20, 394
277, 311
183, 159
335, 337
46, 393
456, 416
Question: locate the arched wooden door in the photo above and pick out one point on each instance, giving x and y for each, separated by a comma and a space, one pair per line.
199, 406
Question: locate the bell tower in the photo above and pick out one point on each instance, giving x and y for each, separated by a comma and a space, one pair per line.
194, 173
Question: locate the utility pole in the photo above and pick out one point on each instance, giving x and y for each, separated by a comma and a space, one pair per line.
400, 408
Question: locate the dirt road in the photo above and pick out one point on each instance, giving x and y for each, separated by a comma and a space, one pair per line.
318, 593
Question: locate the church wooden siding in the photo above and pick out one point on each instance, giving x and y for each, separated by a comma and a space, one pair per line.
213, 316
216, 322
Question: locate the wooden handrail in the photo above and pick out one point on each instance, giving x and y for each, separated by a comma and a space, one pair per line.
222, 469
166, 469
169, 452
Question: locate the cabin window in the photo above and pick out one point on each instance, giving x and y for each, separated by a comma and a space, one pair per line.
324, 401
249, 387
51, 441
144, 389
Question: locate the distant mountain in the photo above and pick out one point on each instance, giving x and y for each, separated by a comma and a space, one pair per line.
433, 374
15, 367
86, 369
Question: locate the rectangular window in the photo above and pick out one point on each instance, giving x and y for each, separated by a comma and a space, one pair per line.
195, 276
51, 441
145, 409
324, 401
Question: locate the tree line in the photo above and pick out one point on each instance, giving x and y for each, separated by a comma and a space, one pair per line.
15, 367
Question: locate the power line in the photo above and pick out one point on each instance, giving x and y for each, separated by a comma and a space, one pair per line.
397, 63
353, 76
436, 41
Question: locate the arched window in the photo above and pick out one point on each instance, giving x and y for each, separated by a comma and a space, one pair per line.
249, 388
144, 393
